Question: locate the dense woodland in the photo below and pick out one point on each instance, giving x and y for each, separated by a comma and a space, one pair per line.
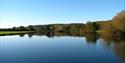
117, 23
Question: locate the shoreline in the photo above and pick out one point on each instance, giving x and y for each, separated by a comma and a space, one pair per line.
14, 32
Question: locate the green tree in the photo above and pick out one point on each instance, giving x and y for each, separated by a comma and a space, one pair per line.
22, 28
90, 27
14, 28
30, 28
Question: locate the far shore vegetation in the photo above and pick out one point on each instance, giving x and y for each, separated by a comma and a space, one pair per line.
14, 32
116, 25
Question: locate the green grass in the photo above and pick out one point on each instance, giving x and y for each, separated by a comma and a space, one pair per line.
14, 32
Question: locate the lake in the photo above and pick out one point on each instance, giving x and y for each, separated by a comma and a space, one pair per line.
60, 48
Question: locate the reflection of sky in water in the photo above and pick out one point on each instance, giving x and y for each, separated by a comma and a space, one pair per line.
15, 49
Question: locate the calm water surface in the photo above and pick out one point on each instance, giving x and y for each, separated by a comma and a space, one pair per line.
59, 49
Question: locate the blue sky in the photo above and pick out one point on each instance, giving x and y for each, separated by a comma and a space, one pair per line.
33, 12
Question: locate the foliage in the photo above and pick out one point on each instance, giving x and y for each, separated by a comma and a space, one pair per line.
21, 28
90, 27
30, 28
118, 21
116, 24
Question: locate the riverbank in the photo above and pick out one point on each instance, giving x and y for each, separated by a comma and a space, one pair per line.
14, 32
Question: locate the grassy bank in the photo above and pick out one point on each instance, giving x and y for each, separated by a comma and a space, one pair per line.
14, 32
105, 31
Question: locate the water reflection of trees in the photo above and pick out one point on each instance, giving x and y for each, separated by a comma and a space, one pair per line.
91, 37
21, 35
119, 49
113, 40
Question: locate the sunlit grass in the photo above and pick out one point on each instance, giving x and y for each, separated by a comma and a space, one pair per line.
14, 32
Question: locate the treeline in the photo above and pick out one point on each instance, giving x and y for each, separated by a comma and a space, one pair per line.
116, 24
74, 28
21, 28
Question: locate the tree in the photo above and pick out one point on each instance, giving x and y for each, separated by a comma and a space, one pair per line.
90, 27
14, 28
22, 28
30, 28
118, 21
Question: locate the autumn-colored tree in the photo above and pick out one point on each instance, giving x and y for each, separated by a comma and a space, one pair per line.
118, 21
